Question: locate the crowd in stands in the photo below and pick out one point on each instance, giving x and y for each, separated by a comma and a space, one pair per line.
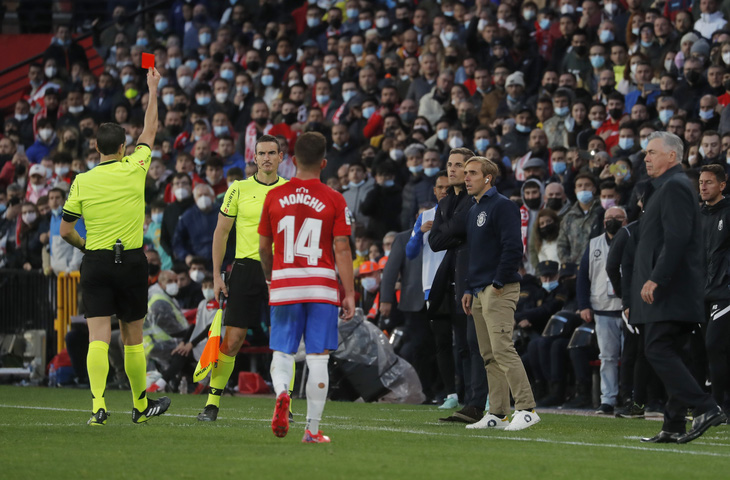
562, 95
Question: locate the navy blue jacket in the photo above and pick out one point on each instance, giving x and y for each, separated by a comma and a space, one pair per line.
494, 241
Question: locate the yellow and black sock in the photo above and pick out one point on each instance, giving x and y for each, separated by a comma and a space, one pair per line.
219, 378
97, 366
135, 364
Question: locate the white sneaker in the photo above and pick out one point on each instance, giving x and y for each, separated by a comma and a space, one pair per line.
522, 419
490, 421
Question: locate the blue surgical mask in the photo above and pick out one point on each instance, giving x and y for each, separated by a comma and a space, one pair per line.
3, 207
57, 211
388, 183
356, 49
644, 143
442, 134
585, 197
322, 99
544, 23
559, 167
665, 115
522, 128
596, 124
481, 144
364, 24
161, 26
550, 286
348, 94
625, 143
561, 111
157, 217
312, 22
646, 44
126, 79
205, 38
706, 114
597, 61
192, 63
368, 112
352, 13
227, 74
355, 185
174, 62
450, 36
605, 36
142, 41
205, 100
168, 99
220, 130
416, 169
267, 80
431, 171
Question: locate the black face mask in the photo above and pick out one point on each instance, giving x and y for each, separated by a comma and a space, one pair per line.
290, 118
392, 71
613, 226
693, 76
450, 59
554, 204
533, 203
87, 132
616, 113
153, 270
549, 232
174, 129
254, 65
336, 23
668, 93
551, 87
596, 171
580, 50
5, 157
348, 73
261, 121
606, 89
71, 144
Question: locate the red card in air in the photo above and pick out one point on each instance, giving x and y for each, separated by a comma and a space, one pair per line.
148, 60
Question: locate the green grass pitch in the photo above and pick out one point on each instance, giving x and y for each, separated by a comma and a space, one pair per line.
43, 435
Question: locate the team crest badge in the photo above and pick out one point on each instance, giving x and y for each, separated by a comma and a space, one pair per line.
481, 219
719, 225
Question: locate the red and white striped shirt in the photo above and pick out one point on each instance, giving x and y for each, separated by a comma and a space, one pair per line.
303, 217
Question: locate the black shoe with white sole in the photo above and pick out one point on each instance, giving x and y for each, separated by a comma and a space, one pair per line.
154, 408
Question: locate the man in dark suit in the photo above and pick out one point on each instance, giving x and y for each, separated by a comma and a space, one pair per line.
418, 345
668, 293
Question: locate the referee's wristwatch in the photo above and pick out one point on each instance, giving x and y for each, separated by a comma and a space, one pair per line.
497, 285
83, 248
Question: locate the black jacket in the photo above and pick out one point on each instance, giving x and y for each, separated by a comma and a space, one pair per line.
715, 221
409, 272
172, 214
383, 206
539, 315
448, 232
615, 255
669, 252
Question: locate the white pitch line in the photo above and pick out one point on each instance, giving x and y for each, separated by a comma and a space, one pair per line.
440, 434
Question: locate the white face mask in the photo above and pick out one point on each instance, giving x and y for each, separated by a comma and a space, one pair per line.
61, 171
197, 276
726, 58
204, 202
45, 133
208, 294
456, 142
172, 289
76, 109
29, 217
221, 97
370, 284
181, 193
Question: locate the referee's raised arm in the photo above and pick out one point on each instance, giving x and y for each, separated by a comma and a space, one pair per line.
150, 119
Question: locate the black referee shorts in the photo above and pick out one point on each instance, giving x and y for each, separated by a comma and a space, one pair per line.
109, 288
248, 295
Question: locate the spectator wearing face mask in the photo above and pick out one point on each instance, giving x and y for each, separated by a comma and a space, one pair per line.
154, 232
182, 187
46, 141
383, 202
194, 232
29, 243
544, 237
62, 172
37, 185
357, 189
419, 188
532, 201
64, 257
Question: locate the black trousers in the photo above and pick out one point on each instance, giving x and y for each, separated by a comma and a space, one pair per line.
718, 352
663, 345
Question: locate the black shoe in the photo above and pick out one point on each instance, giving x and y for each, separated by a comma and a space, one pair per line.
291, 417
633, 411
98, 418
605, 409
702, 423
579, 401
663, 437
466, 415
209, 414
154, 408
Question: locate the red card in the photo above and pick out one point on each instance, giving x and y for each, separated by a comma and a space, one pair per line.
148, 60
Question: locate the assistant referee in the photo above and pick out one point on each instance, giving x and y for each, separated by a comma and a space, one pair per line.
110, 198
249, 297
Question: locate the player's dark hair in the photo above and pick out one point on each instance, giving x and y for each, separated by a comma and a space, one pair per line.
268, 138
310, 149
109, 137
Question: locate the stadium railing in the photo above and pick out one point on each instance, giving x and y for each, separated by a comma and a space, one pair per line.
67, 305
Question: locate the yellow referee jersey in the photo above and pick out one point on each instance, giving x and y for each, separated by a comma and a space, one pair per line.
244, 201
110, 197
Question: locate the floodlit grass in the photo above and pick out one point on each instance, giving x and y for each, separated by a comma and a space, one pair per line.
43, 434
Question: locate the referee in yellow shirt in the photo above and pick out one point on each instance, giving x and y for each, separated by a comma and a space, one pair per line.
110, 197
243, 204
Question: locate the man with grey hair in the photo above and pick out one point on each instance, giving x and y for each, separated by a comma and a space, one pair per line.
668, 288
419, 189
194, 233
